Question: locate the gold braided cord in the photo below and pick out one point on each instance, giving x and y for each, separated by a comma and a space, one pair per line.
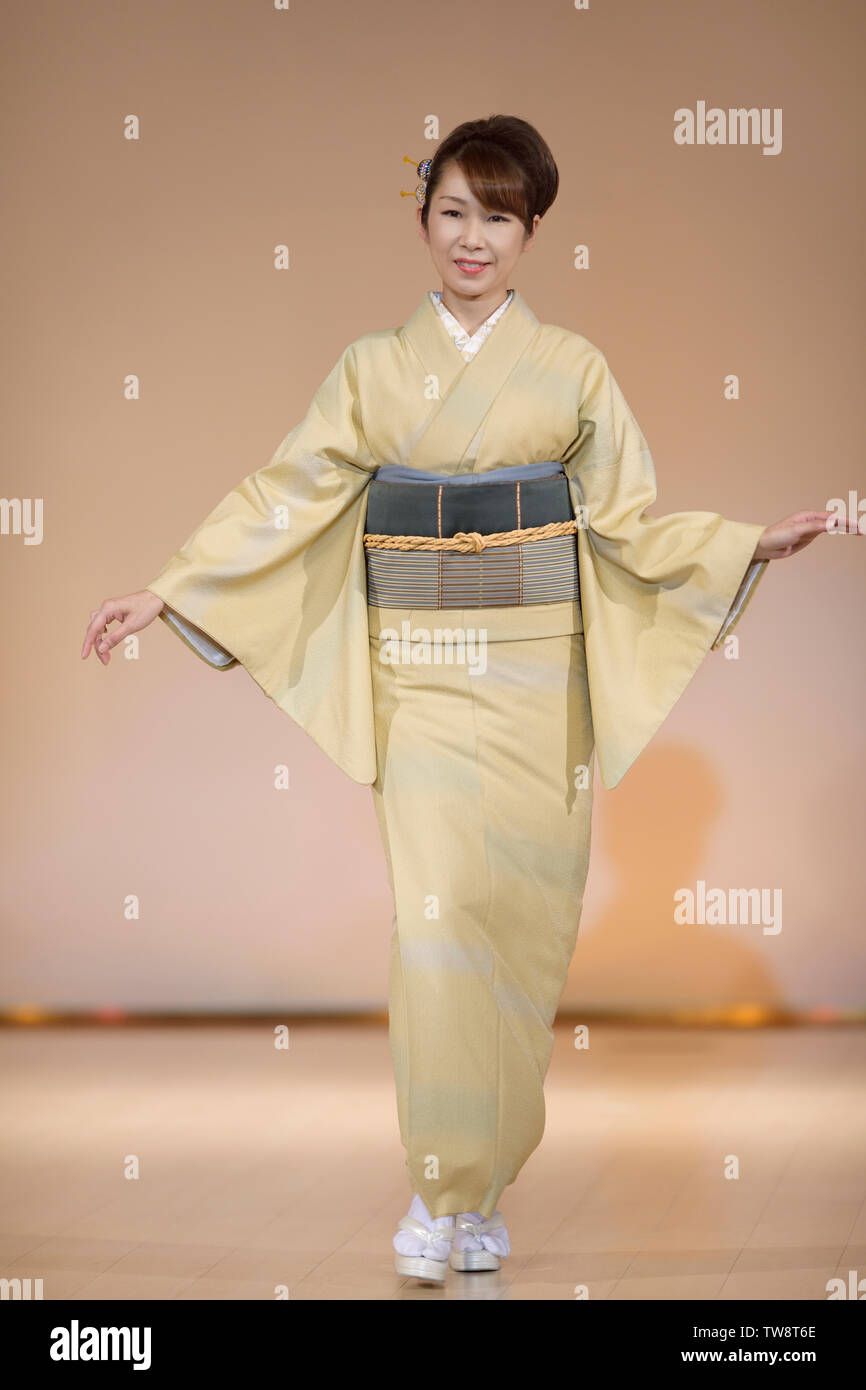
470, 542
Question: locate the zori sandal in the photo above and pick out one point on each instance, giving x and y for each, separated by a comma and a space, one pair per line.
425, 1252
479, 1244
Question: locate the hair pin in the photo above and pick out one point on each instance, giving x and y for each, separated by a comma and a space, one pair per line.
422, 170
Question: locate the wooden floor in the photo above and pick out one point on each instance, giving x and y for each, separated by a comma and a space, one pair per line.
260, 1167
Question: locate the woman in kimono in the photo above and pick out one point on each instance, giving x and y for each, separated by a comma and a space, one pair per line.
446, 576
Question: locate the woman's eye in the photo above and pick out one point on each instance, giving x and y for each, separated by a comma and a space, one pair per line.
455, 212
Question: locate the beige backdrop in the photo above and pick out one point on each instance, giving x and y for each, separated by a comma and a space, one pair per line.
155, 257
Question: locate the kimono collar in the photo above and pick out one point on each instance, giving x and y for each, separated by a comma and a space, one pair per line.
494, 360
465, 391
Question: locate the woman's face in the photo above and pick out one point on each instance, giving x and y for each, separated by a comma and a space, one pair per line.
473, 248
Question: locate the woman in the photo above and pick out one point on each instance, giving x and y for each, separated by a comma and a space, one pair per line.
446, 577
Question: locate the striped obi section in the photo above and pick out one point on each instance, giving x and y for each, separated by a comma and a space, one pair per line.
411, 504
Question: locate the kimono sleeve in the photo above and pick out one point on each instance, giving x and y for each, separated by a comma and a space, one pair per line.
657, 593
274, 579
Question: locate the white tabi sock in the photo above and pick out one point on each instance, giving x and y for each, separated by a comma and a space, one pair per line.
496, 1241
407, 1243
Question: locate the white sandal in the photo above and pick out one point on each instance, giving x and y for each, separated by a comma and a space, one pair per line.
494, 1246
423, 1266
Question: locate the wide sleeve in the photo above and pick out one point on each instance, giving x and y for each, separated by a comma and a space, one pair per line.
274, 578
657, 593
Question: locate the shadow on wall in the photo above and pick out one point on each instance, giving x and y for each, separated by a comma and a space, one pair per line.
654, 832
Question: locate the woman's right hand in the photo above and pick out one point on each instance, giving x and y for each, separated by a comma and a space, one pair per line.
133, 613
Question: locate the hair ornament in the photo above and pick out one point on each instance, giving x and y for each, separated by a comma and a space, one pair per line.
422, 169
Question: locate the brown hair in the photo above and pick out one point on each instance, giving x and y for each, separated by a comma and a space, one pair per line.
506, 163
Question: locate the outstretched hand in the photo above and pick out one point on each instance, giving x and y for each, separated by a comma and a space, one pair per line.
132, 612
786, 537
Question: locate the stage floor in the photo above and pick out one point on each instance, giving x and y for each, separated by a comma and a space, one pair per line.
261, 1168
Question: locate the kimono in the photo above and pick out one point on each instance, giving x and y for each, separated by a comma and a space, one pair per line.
482, 782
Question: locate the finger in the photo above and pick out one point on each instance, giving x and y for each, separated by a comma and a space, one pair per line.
802, 522
783, 551
806, 538
99, 644
101, 618
836, 525
97, 622
90, 635
798, 518
109, 640
812, 527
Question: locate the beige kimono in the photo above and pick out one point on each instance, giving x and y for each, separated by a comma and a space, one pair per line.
482, 780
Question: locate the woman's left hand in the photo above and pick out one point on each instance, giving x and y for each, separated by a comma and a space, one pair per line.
787, 537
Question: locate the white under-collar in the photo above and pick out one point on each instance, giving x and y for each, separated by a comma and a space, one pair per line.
469, 345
